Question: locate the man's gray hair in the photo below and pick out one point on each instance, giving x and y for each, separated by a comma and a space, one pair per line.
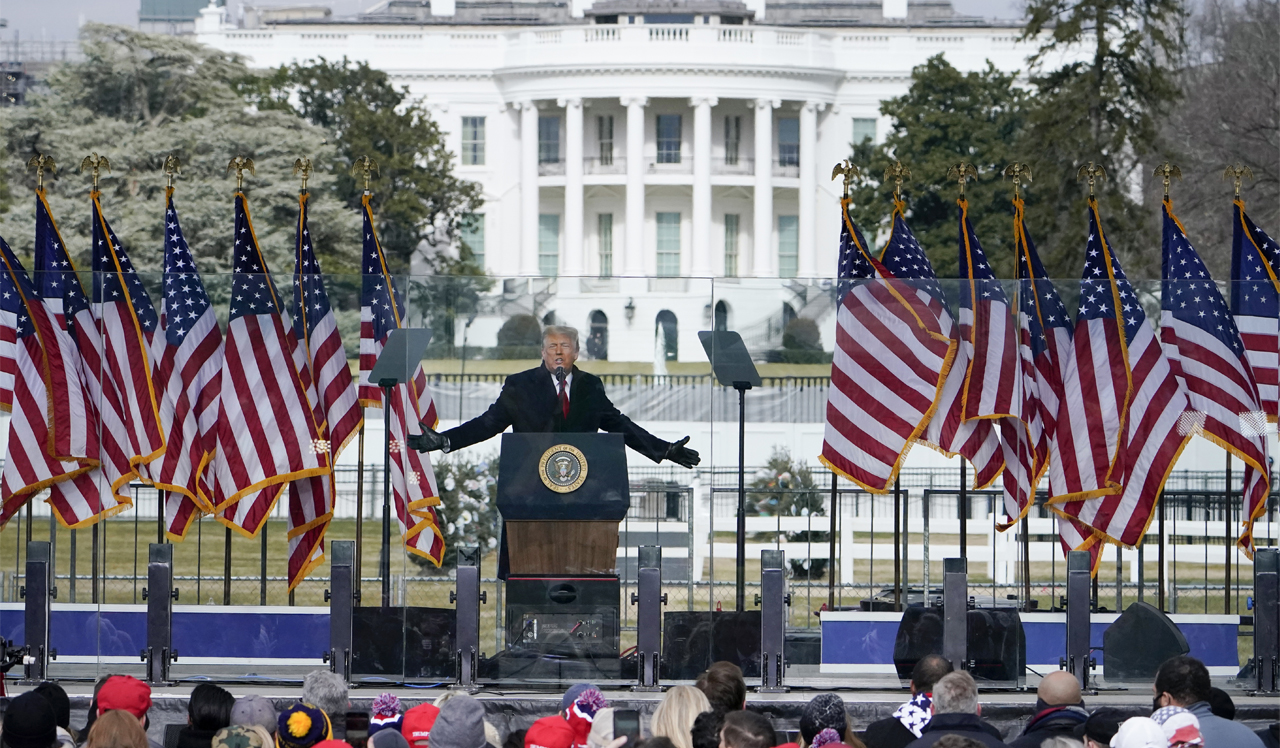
569, 332
955, 693
326, 691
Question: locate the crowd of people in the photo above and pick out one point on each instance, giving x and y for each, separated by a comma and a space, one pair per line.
943, 711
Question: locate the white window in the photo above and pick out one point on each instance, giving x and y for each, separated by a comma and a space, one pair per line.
473, 141
731, 245
668, 244
668, 138
549, 140
864, 129
604, 227
604, 130
549, 244
788, 246
472, 234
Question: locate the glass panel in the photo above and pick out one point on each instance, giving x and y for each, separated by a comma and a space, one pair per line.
731, 245
788, 141
864, 129
472, 235
548, 140
473, 141
549, 244
604, 126
604, 233
669, 136
732, 139
788, 246
668, 235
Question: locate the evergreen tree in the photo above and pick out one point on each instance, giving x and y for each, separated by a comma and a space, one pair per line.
1105, 109
947, 117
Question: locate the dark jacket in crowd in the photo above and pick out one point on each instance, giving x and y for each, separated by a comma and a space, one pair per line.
969, 725
1270, 736
529, 403
1050, 722
190, 737
888, 733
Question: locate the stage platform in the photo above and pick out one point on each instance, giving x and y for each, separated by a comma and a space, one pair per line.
511, 710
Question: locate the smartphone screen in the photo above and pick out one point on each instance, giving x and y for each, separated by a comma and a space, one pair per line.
357, 729
627, 722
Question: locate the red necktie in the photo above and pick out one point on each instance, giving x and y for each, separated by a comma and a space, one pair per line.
564, 400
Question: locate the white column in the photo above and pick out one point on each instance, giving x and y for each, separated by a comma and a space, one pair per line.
808, 187
574, 252
763, 263
702, 185
634, 263
528, 188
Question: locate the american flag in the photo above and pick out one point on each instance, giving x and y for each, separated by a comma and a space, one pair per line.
1045, 332
267, 435
1153, 427
82, 502
47, 387
947, 430
188, 355
890, 358
413, 483
127, 322
993, 383
1255, 265
1206, 353
319, 353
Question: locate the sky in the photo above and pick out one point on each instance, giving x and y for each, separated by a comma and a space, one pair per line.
59, 19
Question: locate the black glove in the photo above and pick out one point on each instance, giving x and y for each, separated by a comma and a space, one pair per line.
682, 455
428, 440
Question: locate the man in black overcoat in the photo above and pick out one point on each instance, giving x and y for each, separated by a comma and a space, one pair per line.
554, 397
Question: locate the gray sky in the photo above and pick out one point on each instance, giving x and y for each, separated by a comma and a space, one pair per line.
59, 19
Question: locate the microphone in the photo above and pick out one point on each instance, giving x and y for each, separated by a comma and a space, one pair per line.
560, 374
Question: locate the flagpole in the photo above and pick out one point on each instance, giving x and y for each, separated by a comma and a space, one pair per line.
831, 547
359, 505
1226, 535
897, 545
1160, 554
964, 509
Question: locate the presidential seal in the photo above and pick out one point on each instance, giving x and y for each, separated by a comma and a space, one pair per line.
563, 468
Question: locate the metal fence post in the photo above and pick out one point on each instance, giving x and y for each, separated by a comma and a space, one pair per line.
955, 611
159, 594
773, 601
467, 597
1077, 660
341, 596
649, 601
36, 593
1266, 611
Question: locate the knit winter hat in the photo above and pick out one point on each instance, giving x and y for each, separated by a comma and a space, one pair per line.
823, 711
1139, 732
1181, 727
826, 737
549, 732
302, 726
460, 724
29, 722
572, 694
582, 713
386, 713
387, 739
58, 699
240, 736
255, 710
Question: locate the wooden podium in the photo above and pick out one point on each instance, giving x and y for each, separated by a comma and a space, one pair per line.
560, 521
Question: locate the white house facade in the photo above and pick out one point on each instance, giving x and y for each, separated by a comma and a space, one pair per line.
646, 156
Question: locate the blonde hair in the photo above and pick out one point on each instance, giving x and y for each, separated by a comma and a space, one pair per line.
673, 719
116, 728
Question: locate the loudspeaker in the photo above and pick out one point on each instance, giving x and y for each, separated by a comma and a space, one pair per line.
1140, 640
692, 640
568, 616
996, 644
413, 642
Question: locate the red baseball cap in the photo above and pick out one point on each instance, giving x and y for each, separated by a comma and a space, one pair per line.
416, 724
124, 692
549, 732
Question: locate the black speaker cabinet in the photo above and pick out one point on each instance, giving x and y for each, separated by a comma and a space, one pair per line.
692, 640
413, 642
569, 616
997, 647
1140, 640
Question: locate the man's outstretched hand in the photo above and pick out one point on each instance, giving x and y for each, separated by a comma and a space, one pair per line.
682, 455
428, 440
